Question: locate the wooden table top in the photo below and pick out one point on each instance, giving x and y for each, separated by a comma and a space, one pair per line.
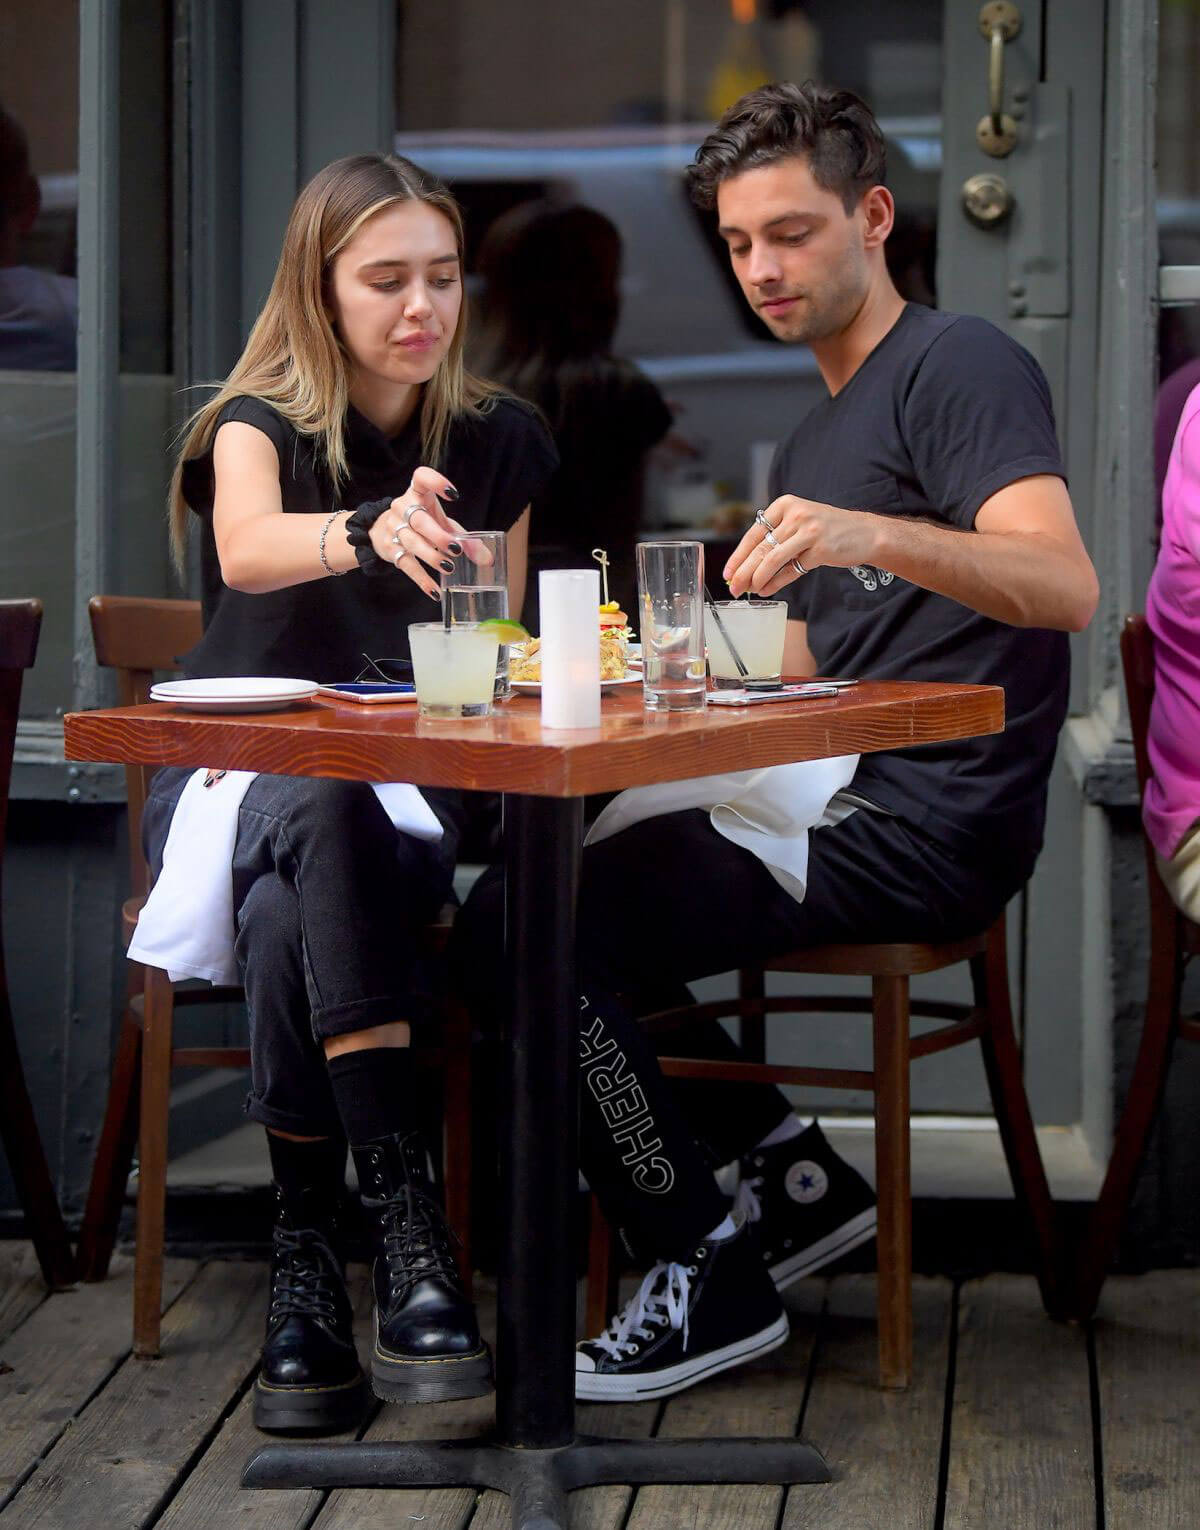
510, 751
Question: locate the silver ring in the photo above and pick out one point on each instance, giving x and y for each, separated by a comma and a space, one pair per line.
403, 553
761, 517
396, 538
407, 514
769, 538
798, 566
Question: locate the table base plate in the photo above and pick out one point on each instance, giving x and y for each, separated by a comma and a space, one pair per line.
536, 1480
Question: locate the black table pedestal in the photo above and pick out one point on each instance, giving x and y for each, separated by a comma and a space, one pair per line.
534, 1455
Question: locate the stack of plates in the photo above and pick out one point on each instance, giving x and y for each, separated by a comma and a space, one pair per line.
245, 693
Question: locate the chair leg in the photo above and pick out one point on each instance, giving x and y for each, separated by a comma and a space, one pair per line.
893, 1179
1129, 1140
152, 1164
114, 1155
753, 1024
602, 1274
1002, 1061
456, 1135
27, 1159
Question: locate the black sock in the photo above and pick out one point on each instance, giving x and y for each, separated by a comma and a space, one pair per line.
374, 1093
300, 1166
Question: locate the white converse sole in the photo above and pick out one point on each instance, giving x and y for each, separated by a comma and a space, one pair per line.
813, 1256
591, 1386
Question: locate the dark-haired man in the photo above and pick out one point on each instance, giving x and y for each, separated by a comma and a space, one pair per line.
920, 522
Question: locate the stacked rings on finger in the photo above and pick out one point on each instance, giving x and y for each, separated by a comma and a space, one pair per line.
407, 514
798, 566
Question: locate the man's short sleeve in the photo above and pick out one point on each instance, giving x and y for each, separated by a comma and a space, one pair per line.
977, 417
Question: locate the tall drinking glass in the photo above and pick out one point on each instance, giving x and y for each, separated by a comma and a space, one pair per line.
757, 629
477, 590
454, 669
671, 602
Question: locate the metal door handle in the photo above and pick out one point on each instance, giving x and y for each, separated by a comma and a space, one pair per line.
1000, 22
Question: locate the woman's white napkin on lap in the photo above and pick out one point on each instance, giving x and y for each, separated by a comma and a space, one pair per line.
187, 922
768, 812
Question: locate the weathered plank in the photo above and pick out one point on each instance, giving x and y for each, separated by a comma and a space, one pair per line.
761, 1398
22, 1288
433, 1508
126, 1451
212, 1495
60, 1355
882, 1447
1148, 1358
1021, 1431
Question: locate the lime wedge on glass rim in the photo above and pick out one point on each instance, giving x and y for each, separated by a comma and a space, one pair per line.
505, 629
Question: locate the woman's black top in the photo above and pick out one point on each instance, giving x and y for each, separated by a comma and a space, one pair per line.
498, 461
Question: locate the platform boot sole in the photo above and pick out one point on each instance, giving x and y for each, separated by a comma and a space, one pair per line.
404, 1379
309, 1410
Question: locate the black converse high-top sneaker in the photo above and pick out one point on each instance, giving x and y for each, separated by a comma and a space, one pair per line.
687, 1321
310, 1380
810, 1206
427, 1344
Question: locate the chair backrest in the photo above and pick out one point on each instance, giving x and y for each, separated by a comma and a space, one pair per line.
20, 624
138, 638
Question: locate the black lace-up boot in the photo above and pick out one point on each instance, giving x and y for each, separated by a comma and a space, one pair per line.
427, 1344
310, 1379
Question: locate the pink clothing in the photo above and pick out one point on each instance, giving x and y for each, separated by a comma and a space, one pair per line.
1172, 803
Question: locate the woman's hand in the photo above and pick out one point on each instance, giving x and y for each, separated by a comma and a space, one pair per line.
803, 536
417, 535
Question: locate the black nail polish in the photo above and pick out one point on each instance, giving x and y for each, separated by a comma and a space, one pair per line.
454, 547
435, 595
450, 492
447, 566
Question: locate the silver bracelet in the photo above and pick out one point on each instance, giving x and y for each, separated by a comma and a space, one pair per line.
325, 564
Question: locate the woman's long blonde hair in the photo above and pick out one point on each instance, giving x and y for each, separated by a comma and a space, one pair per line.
294, 360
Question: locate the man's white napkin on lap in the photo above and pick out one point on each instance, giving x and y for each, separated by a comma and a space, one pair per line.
187, 922
768, 812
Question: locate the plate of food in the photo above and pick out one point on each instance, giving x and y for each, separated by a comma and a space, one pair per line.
525, 659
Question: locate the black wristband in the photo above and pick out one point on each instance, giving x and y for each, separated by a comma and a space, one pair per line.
358, 534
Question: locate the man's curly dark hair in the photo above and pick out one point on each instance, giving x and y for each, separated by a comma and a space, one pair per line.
832, 129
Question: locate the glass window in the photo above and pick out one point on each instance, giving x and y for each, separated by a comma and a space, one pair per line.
607, 111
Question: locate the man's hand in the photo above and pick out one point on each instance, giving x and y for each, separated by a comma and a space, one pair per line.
1024, 563
805, 532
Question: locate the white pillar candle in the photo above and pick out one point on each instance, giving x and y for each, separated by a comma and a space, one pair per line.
570, 651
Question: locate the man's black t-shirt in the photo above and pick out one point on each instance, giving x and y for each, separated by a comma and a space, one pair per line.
943, 413
320, 630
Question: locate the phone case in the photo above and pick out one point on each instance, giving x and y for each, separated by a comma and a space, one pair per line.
759, 698
371, 691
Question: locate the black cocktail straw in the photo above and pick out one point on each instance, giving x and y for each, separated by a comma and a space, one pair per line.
716, 615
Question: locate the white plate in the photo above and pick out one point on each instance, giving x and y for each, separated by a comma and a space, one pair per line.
243, 693
534, 687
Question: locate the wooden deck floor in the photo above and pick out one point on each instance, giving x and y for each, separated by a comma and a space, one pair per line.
1013, 1423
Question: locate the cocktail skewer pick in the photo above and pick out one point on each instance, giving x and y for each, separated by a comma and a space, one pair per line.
601, 558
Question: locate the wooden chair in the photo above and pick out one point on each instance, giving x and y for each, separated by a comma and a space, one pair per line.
138, 638
1174, 941
889, 967
20, 624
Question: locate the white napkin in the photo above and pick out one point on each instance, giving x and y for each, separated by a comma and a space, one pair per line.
768, 812
186, 924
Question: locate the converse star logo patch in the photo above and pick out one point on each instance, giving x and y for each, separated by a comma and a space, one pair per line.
806, 1181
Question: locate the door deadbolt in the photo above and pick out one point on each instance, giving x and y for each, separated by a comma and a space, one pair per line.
986, 199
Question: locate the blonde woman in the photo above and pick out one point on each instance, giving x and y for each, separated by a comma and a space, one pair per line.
319, 476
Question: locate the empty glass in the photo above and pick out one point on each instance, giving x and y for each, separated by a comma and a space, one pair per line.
671, 605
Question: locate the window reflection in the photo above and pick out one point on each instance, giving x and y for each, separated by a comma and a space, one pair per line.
39, 302
605, 111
